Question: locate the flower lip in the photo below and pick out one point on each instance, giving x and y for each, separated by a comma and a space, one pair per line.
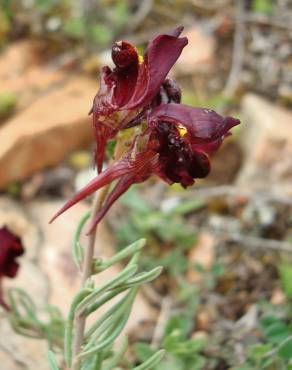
124, 54
203, 125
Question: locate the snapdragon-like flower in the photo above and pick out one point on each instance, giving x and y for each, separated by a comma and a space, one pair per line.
127, 91
175, 146
10, 248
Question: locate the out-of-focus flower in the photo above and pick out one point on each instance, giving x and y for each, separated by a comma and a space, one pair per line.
175, 146
10, 248
132, 86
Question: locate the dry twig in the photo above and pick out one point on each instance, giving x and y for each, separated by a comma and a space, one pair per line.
238, 51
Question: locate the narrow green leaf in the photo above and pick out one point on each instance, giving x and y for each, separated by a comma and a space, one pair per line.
187, 206
52, 361
124, 253
144, 277
116, 281
143, 351
105, 298
108, 340
77, 251
286, 278
18, 297
285, 349
114, 361
110, 319
151, 362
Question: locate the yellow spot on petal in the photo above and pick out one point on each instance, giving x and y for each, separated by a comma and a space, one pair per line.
182, 130
140, 59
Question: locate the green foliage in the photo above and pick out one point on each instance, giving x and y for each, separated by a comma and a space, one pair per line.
75, 27
276, 351
151, 362
45, 5
97, 350
263, 6
285, 271
14, 189
101, 34
180, 354
101, 335
159, 227
119, 14
93, 24
7, 104
4, 26
274, 329
24, 318
52, 361
217, 102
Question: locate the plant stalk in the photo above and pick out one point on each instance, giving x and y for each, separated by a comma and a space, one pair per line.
80, 320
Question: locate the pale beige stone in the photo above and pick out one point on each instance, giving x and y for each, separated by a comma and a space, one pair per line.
21, 73
46, 131
267, 141
202, 254
198, 55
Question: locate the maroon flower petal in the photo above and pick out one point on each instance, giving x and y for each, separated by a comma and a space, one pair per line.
115, 171
175, 32
138, 168
10, 248
103, 101
160, 56
209, 147
117, 86
205, 125
103, 133
122, 186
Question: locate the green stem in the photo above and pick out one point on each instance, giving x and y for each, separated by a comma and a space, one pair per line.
87, 269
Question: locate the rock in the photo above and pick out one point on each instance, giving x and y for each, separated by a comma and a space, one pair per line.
46, 131
202, 255
14, 59
225, 164
23, 76
21, 353
55, 256
278, 297
267, 143
198, 55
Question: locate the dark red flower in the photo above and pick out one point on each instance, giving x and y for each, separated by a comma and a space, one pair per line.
10, 248
131, 86
175, 146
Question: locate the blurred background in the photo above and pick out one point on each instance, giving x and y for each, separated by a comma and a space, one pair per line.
224, 299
